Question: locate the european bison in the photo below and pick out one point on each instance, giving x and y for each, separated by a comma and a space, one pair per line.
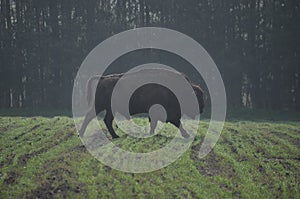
140, 102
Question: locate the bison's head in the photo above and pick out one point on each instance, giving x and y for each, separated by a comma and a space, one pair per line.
200, 96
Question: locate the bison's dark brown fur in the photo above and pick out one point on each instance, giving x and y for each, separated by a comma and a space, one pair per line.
140, 102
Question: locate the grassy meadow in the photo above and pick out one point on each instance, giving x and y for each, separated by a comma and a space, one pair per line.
42, 157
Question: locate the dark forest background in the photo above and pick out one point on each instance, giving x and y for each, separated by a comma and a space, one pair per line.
255, 44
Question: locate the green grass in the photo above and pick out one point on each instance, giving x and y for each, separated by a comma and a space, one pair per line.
43, 157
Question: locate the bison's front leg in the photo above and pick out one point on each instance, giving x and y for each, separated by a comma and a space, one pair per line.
177, 123
153, 124
108, 120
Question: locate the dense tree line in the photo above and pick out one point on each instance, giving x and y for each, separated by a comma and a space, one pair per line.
255, 44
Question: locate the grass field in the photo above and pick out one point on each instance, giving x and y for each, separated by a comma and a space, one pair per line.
42, 157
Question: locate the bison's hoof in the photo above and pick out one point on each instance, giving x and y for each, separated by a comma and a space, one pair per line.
185, 135
80, 134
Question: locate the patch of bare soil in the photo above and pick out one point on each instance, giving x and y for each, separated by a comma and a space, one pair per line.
230, 144
233, 131
47, 190
11, 177
28, 131
212, 164
24, 158
284, 136
80, 148
3, 129
55, 186
8, 160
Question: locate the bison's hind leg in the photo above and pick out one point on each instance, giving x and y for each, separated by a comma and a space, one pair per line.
88, 117
108, 120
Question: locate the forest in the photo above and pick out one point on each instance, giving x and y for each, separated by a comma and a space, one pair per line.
255, 44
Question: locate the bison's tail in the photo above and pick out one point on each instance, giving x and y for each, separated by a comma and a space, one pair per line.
90, 95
